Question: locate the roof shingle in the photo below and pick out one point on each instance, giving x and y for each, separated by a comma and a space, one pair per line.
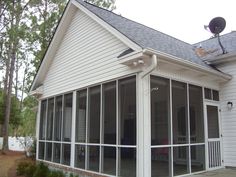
146, 37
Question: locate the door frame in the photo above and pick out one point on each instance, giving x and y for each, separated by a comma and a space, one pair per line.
217, 104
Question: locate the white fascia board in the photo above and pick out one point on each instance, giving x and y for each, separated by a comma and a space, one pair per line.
108, 27
188, 64
52, 48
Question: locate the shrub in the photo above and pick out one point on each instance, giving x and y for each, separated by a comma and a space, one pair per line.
56, 174
41, 171
30, 170
72, 175
21, 168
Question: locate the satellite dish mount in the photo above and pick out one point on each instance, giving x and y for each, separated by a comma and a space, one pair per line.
216, 26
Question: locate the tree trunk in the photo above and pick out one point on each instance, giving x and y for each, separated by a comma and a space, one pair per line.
16, 71
8, 100
23, 86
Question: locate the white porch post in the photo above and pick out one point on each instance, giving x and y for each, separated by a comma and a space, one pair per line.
143, 126
72, 159
37, 128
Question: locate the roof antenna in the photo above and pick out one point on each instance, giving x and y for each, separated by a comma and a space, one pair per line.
216, 26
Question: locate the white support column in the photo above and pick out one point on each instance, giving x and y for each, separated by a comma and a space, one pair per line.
143, 126
72, 154
37, 127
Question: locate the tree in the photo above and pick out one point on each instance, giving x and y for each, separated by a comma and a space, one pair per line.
107, 4
13, 30
26, 28
15, 116
28, 117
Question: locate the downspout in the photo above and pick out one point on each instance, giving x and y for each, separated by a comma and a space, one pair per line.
144, 144
151, 68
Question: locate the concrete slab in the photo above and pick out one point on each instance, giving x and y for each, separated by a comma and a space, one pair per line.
224, 172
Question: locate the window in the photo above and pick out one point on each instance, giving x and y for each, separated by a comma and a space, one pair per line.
211, 94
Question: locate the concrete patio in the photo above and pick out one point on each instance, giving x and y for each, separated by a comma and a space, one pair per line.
224, 172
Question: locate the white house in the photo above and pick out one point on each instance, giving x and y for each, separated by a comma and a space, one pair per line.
117, 98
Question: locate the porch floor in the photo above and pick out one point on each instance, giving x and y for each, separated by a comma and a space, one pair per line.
227, 172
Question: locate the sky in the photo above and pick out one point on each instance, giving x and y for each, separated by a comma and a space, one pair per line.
182, 19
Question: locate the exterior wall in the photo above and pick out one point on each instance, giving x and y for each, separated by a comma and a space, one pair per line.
87, 55
228, 117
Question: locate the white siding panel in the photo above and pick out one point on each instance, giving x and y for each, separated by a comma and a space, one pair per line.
228, 117
87, 55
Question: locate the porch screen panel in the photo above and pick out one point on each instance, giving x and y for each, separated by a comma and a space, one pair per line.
48, 152
43, 115
109, 113
197, 158
56, 152
179, 113
58, 119
94, 114
50, 117
41, 150
161, 162
67, 117
81, 116
80, 156
66, 154
196, 114
212, 122
160, 111
127, 104
127, 162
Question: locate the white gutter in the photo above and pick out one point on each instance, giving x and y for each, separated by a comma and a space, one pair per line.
177, 60
151, 68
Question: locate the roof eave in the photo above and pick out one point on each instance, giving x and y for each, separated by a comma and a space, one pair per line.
222, 58
189, 64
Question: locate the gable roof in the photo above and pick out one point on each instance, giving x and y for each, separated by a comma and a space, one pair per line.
130, 32
146, 37
228, 41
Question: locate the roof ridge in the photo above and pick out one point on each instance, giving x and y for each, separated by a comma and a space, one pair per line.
137, 22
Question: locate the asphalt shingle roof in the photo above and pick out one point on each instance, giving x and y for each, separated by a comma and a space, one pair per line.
228, 41
146, 37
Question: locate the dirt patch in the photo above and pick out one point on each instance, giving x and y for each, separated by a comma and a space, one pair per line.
8, 163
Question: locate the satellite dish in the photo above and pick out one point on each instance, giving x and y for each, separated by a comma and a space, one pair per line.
217, 25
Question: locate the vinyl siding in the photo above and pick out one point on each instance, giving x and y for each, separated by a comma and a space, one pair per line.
87, 55
228, 117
